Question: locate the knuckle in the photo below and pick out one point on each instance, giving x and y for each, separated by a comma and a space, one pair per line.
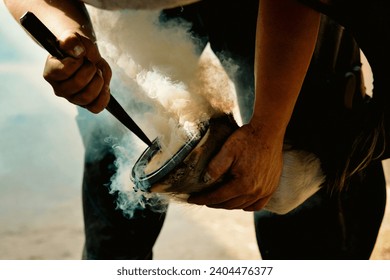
105, 67
100, 103
67, 36
93, 54
48, 78
108, 71
68, 41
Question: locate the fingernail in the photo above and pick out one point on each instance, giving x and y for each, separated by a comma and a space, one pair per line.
206, 178
100, 73
78, 50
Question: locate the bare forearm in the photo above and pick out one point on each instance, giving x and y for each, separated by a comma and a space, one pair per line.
58, 15
286, 37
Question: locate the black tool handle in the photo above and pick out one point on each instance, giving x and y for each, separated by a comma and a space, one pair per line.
41, 34
49, 41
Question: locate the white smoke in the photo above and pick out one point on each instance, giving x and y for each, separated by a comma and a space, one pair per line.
163, 84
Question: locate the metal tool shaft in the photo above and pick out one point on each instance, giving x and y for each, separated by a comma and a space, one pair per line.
49, 41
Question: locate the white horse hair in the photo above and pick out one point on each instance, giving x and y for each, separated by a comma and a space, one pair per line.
302, 176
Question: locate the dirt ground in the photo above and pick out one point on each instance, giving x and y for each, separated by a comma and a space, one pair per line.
189, 233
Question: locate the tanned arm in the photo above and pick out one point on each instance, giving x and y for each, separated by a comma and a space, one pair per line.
251, 158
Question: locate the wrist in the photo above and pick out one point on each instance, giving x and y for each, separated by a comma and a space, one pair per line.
271, 122
268, 131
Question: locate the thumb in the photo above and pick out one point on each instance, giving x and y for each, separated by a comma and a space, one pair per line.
70, 42
218, 166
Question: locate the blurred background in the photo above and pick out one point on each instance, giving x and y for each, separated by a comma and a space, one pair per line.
41, 162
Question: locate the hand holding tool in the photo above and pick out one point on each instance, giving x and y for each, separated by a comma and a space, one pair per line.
48, 41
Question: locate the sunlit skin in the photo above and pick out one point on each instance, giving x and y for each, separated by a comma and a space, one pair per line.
84, 77
251, 158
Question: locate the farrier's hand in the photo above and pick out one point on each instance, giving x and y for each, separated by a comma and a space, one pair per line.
251, 164
83, 77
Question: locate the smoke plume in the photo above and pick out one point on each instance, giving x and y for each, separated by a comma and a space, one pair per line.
163, 83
